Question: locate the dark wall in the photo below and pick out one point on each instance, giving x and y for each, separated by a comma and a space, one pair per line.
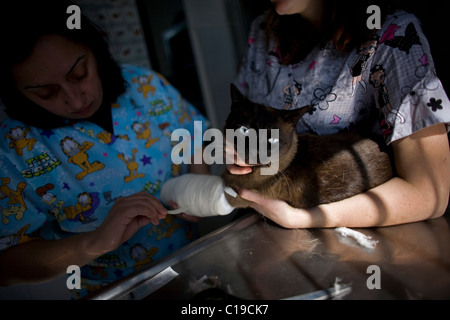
435, 24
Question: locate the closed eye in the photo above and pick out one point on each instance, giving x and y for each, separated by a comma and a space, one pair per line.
46, 92
81, 76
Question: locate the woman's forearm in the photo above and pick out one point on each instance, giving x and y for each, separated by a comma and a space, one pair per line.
394, 202
419, 192
42, 260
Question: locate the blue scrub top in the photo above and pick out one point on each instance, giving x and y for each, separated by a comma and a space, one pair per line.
64, 181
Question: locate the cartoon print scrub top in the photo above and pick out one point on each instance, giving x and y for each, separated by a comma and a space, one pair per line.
63, 181
388, 86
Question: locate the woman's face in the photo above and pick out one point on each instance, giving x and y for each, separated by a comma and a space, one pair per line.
291, 6
61, 76
309, 9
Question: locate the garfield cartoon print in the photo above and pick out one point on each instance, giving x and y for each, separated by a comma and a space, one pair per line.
145, 86
87, 203
78, 156
19, 140
16, 203
54, 205
132, 166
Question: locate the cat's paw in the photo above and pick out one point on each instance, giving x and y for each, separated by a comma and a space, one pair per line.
237, 202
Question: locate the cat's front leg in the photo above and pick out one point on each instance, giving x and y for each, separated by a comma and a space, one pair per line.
237, 201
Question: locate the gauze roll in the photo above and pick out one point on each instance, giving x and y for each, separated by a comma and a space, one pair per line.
198, 195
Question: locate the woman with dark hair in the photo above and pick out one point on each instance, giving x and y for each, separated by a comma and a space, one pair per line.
84, 151
22, 31
379, 82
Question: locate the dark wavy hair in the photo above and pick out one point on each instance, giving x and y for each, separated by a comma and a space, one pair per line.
344, 25
22, 23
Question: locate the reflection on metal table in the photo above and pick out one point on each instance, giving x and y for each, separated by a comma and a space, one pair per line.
253, 258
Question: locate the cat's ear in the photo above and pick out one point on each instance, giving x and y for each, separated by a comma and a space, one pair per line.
236, 95
295, 115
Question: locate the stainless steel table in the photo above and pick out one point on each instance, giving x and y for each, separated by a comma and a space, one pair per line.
254, 258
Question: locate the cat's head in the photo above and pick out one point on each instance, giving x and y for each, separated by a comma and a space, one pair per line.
266, 130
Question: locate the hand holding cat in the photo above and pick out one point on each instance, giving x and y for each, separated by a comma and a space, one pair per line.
279, 211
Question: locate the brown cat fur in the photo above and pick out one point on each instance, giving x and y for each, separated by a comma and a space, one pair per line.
312, 169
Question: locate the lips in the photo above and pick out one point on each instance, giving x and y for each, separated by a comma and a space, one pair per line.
84, 112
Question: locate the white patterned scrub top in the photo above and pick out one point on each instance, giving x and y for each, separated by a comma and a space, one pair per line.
388, 86
63, 181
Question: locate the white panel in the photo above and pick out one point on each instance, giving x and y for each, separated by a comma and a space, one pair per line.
215, 54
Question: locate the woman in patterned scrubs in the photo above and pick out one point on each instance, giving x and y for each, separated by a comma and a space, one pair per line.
84, 152
374, 81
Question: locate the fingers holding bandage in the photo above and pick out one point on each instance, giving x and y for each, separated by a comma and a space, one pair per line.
180, 212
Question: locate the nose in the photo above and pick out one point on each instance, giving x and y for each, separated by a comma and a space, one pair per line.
74, 97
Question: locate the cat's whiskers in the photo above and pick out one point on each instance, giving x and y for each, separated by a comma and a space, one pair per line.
286, 178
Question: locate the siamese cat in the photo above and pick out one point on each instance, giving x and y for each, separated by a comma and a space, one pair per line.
312, 169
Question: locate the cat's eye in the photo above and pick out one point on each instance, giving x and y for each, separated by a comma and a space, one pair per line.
244, 130
273, 140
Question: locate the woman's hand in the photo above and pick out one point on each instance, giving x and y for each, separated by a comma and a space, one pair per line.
126, 217
183, 215
40, 260
279, 211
